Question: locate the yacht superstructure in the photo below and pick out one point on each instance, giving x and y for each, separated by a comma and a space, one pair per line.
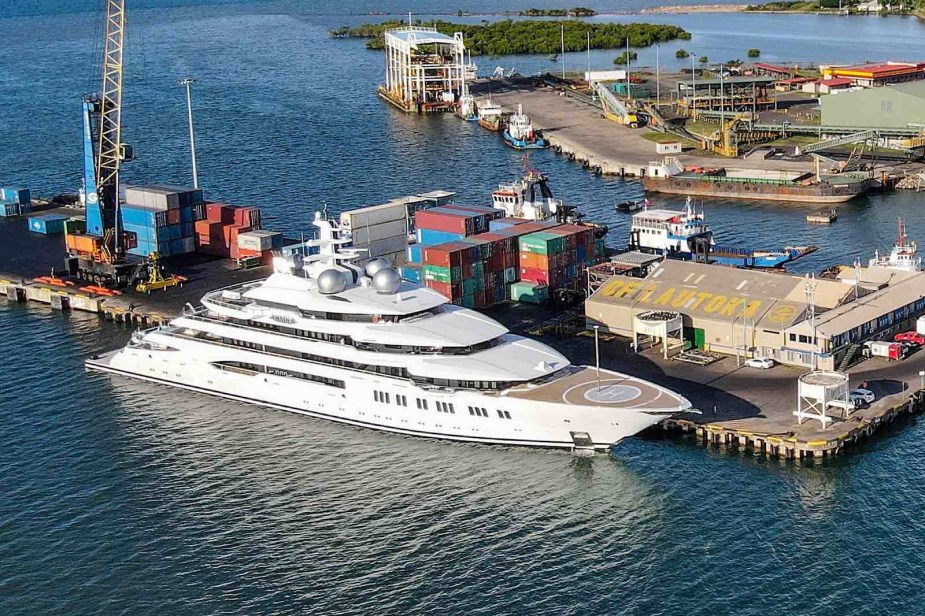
361, 346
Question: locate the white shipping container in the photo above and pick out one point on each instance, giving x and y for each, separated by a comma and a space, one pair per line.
387, 246
372, 233
257, 240
373, 215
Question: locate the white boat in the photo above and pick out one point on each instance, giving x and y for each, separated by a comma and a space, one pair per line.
903, 257
529, 198
670, 232
361, 346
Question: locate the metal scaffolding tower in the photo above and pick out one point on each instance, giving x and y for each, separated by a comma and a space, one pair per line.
424, 69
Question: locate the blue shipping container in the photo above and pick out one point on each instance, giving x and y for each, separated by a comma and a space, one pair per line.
188, 229
497, 225
140, 215
16, 195
414, 253
430, 237
50, 224
411, 273
176, 246
186, 213
150, 234
173, 232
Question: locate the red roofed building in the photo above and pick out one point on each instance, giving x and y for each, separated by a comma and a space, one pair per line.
781, 72
870, 75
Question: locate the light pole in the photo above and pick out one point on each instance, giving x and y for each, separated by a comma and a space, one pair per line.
597, 357
187, 82
658, 85
693, 89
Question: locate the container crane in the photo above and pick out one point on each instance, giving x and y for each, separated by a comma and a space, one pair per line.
99, 254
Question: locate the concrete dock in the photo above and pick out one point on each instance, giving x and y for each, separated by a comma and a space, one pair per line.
577, 130
743, 409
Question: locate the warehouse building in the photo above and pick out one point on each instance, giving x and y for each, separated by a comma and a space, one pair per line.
752, 313
889, 107
873, 75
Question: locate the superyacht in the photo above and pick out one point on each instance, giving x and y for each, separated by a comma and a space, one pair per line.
358, 345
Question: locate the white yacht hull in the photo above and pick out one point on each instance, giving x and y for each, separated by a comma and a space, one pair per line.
527, 423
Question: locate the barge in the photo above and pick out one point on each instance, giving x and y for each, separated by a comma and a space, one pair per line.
670, 177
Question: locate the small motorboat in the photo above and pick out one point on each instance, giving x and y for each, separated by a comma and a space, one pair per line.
632, 206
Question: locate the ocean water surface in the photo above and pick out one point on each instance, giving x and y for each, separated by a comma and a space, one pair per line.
130, 498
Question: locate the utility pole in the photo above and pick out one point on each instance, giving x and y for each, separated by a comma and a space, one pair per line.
187, 82
658, 84
693, 89
811, 302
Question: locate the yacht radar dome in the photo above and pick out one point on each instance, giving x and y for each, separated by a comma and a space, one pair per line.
386, 281
331, 281
376, 265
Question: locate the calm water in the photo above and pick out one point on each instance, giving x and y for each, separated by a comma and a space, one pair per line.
121, 497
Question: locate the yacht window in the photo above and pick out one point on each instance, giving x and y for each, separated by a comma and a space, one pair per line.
376, 396
424, 404
500, 415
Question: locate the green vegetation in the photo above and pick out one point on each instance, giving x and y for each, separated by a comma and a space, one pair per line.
666, 138
703, 59
626, 57
681, 54
754, 53
526, 36
578, 11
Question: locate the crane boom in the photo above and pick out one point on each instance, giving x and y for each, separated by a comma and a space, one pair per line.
109, 152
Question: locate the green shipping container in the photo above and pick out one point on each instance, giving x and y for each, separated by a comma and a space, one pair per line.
472, 285
75, 225
542, 243
468, 301
449, 275
529, 292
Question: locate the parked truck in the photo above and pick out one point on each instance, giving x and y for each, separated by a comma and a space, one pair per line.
893, 351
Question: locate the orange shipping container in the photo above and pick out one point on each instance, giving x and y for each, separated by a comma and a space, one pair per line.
534, 261
82, 243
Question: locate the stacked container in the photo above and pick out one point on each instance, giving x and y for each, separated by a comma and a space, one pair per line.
14, 201
555, 257
219, 232
161, 218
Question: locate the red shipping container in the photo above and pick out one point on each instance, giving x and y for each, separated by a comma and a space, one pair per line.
529, 274
437, 220
247, 217
450, 254
173, 217
450, 291
220, 212
245, 252
231, 233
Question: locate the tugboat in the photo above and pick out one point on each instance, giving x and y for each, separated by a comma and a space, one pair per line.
685, 235
903, 257
530, 198
490, 115
520, 134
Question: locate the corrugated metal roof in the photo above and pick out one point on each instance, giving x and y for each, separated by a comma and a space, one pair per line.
771, 300
419, 36
872, 306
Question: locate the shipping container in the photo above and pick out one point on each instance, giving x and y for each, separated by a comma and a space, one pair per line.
140, 215
441, 219
432, 237
505, 223
75, 224
414, 254
82, 243
173, 217
374, 215
9, 208
437, 273
12, 194
260, 241
371, 233
385, 248
49, 224
186, 213
411, 273
529, 292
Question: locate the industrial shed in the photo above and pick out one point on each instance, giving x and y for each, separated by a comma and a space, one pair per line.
895, 106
